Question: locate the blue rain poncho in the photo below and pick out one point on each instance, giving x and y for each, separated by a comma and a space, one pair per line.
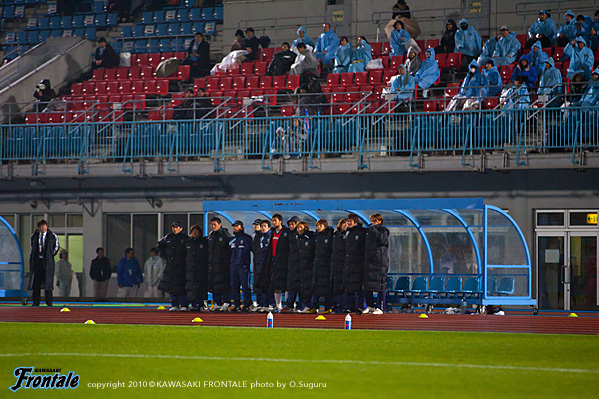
506, 50
361, 56
398, 41
537, 58
342, 58
488, 50
547, 28
327, 41
403, 85
306, 40
549, 79
429, 71
494, 83
581, 61
468, 42
568, 28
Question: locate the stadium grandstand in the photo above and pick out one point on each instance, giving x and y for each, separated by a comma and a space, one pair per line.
212, 101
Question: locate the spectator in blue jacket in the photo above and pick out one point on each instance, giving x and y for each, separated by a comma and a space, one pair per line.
327, 44
595, 32
591, 96
398, 39
488, 50
429, 72
550, 84
584, 24
129, 276
470, 95
241, 250
517, 96
402, 85
467, 42
581, 58
361, 56
507, 48
537, 58
342, 56
303, 38
566, 32
493, 80
525, 70
544, 30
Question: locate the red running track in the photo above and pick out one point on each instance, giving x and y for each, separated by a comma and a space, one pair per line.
391, 321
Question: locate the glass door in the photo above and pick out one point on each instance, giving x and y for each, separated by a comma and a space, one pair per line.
582, 271
551, 270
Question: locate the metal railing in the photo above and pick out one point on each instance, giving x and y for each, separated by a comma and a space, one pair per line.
363, 135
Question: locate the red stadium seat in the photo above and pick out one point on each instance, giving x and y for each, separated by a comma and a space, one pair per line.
333, 79
293, 82
279, 82
353, 93
521, 39
112, 87
100, 88
247, 68
165, 56
441, 60
441, 105
89, 88
376, 49
212, 84
452, 89
454, 61
180, 55
140, 101
267, 54
239, 82
491, 102
98, 74
110, 74
252, 82
184, 73
114, 98
103, 102
124, 86
127, 99
386, 47
256, 92
346, 78
147, 72
375, 77
388, 74
265, 82
137, 87
506, 72
122, 73
162, 87
386, 62
226, 83
134, 72
272, 96
361, 78
421, 43
432, 43
396, 61
36, 118
154, 60
142, 59
430, 106
339, 97
55, 117
287, 110
260, 67
77, 89
558, 53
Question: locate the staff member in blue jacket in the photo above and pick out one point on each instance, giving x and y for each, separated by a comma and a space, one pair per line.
241, 249
129, 276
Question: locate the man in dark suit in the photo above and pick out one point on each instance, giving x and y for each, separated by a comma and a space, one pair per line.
198, 56
44, 247
105, 56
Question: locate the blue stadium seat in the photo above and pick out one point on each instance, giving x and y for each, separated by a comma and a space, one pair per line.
491, 285
165, 45
44, 35
112, 19
179, 44
80, 32
197, 27
403, 284
186, 28
99, 7
161, 30
22, 37
141, 46
9, 12
188, 3
195, 14
174, 29
207, 13
77, 21
419, 284
154, 45
210, 28
183, 15
437, 284
454, 284
159, 17
44, 22
55, 22
126, 31
218, 13
33, 36
138, 30
66, 22
100, 20
471, 285
506, 286
117, 45
56, 33
147, 17
90, 34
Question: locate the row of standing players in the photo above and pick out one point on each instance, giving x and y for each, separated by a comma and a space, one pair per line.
344, 267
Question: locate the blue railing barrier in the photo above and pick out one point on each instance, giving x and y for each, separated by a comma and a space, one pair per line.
521, 130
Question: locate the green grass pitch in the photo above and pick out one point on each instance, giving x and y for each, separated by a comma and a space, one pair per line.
352, 364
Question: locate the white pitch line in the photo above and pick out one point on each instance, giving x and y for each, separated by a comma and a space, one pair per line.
333, 361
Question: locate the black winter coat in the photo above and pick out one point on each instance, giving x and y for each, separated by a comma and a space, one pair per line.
110, 59
306, 246
172, 249
376, 258
294, 278
338, 261
256, 252
50, 251
197, 264
281, 63
273, 275
219, 269
447, 43
100, 269
353, 272
321, 273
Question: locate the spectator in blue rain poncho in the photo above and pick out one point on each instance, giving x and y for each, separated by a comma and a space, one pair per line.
492, 79
581, 58
467, 42
361, 56
544, 30
429, 71
537, 57
591, 96
398, 39
550, 84
302, 38
471, 92
525, 70
342, 56
402, 85
507, 48
327, 44
567, 31
488, 50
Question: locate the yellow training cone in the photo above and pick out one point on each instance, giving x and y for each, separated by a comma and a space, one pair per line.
197, 320
90, 322
423, 316
161, 307
321, 317
572, 315
65, 310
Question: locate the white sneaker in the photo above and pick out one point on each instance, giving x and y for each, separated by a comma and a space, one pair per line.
174, 309
225, 307
304, 310
216, 308
183, 309
367, 310
500, 313
377, 311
